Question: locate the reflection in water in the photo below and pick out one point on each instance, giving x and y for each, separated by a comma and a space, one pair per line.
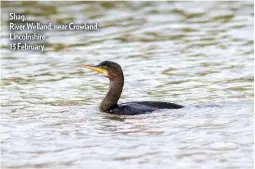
185, 52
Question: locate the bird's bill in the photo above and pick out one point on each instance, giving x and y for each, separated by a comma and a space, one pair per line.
96, 69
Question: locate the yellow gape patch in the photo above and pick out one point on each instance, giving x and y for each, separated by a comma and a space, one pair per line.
97, 69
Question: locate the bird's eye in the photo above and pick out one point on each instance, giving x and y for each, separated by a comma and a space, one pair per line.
104, 67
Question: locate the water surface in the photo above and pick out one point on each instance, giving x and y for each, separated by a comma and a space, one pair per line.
198, 54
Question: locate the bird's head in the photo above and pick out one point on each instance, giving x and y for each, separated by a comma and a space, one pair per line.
107, 68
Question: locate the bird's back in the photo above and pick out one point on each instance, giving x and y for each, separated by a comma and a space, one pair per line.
133, 108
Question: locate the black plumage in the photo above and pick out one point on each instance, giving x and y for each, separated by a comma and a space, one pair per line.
109, 104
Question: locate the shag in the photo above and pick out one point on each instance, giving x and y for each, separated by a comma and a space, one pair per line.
110, 104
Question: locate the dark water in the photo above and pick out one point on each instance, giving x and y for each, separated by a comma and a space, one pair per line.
199, 54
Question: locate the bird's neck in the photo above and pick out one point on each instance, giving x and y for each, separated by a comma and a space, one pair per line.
113, 94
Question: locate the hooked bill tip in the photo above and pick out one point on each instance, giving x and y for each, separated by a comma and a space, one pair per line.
85, 66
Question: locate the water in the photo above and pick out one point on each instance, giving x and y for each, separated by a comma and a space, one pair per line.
198, 54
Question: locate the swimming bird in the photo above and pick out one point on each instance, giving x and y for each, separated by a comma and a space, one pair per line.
110, 104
